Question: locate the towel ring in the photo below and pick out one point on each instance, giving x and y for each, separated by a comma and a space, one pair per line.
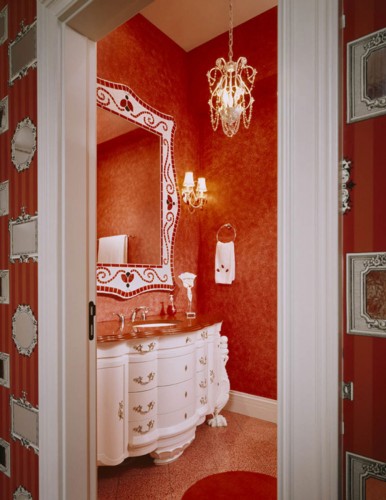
227, 226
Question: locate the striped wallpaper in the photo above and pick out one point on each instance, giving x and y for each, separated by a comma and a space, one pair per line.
22, 102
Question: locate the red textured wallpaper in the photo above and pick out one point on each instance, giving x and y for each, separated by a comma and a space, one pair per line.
128, 193
241, 175
364, 230
22, 102
242, 180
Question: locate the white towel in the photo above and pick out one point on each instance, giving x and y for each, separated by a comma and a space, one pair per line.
225, 264
113, 249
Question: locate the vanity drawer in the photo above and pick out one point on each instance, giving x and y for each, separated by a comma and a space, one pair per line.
142, 376
175, 397
180, 341
142, 405
176, 417
172, 370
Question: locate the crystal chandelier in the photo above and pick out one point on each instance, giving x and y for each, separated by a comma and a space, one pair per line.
230, 86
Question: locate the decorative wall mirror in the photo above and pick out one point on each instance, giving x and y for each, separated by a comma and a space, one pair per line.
4, 369
5, 457
22, 52
3, 25
155, 271
4, 115
366, 76
22, 494
366, 294
4, 198
23, 144
25, 423
23, 238
24, 330
4, 286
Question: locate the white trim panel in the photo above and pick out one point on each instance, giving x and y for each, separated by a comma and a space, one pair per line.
252, 406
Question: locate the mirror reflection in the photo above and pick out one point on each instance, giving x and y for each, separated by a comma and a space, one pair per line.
128, 192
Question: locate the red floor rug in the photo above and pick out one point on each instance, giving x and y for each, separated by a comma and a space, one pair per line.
234, 485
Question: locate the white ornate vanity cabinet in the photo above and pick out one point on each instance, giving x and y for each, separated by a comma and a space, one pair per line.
155, 389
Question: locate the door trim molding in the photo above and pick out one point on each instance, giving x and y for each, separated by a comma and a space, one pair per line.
308, 250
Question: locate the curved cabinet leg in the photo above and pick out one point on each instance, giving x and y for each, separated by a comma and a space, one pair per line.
222, 396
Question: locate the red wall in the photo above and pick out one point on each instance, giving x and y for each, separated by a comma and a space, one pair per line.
241, 175
22, 102
364, 230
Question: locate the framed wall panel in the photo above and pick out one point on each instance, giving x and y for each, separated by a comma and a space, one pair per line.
22, 494
5, 457
4, 198
4, 115
4, 369
24, 330
25, 423
22, 52
361, 475
23, 144
23, 238
366, 77
3, 25
366, 294
4, 286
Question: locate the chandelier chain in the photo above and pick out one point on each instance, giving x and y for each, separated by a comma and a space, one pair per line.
230, 53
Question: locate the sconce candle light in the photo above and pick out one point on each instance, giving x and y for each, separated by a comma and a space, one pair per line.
194, 197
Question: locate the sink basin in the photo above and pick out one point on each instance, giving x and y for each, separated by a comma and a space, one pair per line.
156, 324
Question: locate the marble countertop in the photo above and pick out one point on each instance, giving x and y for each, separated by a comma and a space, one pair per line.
111, 331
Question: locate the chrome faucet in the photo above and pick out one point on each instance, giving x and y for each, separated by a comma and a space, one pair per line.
143, 310
122, 319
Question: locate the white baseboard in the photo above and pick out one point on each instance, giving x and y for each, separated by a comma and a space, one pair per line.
252, 406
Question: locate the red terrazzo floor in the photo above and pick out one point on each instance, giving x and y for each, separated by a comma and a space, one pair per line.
245, 444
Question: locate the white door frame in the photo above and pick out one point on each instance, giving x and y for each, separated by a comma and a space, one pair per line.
308, 253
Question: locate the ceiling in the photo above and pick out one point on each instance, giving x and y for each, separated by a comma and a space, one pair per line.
190, 23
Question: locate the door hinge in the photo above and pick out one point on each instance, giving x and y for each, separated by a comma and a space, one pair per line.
343, 22
348, 390
91, 316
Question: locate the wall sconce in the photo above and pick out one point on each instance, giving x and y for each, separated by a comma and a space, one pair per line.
193, 197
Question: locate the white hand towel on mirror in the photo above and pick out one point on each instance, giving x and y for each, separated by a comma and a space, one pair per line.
113, 249
225, 265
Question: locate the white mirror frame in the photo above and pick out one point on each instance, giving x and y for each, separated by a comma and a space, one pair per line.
20, 166
17, 250
28, 63
4, 295
5, 380
4, 15
4, 118
25, 350
4, 198
26, 430
129, 280
22, 494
